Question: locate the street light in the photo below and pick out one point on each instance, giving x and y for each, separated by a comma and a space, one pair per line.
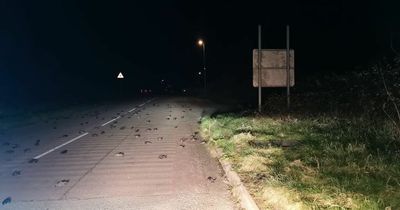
203, 44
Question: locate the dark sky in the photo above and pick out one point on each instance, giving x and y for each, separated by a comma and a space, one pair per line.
62, 48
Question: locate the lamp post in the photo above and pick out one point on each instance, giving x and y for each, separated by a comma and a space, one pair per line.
203, 44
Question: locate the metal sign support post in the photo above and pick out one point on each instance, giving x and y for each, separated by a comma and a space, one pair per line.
204, 69
259, 68
287, 68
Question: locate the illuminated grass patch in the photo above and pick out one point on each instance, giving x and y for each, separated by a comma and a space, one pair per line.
315, 162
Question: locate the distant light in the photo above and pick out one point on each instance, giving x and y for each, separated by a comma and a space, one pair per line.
184, 90
200, 42
199, 72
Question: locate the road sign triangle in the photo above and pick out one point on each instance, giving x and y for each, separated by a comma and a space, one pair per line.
120, 76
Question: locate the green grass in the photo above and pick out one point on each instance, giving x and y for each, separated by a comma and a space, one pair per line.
315, 162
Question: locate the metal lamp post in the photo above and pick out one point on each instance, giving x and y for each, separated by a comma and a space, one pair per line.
203, 44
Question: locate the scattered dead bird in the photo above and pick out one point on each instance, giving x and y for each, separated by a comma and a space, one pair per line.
160, 138
65, 135
183, 139
102, 132
27, 150
167, 118
37, 142
64, 151
120, 154
162, 156
211, 179
10, 151
62, 183
6, 201
132, 127
16, 173
122, 128
175, 118
176, 126
182, 145
137, 130
137, 135
15, 146
148, 121
147, 142
149, 129
155, 129
33, 160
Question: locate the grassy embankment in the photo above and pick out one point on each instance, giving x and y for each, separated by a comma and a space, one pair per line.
313, 160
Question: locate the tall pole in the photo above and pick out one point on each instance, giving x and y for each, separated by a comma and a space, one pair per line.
259, 68
287, 67
204, 68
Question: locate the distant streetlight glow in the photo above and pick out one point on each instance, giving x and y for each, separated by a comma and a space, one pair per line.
201, 43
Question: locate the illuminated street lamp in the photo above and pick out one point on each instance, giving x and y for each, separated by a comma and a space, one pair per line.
203, 44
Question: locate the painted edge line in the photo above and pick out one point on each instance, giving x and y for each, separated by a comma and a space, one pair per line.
61, 145
111, 121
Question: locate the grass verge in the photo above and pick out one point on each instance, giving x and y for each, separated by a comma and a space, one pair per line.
317, 162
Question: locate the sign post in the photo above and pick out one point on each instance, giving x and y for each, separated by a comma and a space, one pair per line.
273, 68
259, 69
287, 68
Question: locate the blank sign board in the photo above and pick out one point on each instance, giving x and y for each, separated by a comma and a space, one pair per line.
273, 68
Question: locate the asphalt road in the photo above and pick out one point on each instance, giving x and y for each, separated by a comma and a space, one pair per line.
144, 154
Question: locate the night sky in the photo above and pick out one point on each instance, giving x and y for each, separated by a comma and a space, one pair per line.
62, 49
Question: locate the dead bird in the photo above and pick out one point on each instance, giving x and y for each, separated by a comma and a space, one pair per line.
6, 201
162, 156
37, 142
64, 151
147, 142
119, 154
62, 182
212, 179
33, 160
16, 173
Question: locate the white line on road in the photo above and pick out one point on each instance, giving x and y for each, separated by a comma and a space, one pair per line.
132, 110
61, 145
111, 120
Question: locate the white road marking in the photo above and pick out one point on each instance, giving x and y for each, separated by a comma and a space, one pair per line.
111, 120
61, 145
82, 135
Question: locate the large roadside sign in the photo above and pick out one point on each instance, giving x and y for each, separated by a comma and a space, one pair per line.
273, 68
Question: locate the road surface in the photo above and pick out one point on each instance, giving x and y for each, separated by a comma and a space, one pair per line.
139, 155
